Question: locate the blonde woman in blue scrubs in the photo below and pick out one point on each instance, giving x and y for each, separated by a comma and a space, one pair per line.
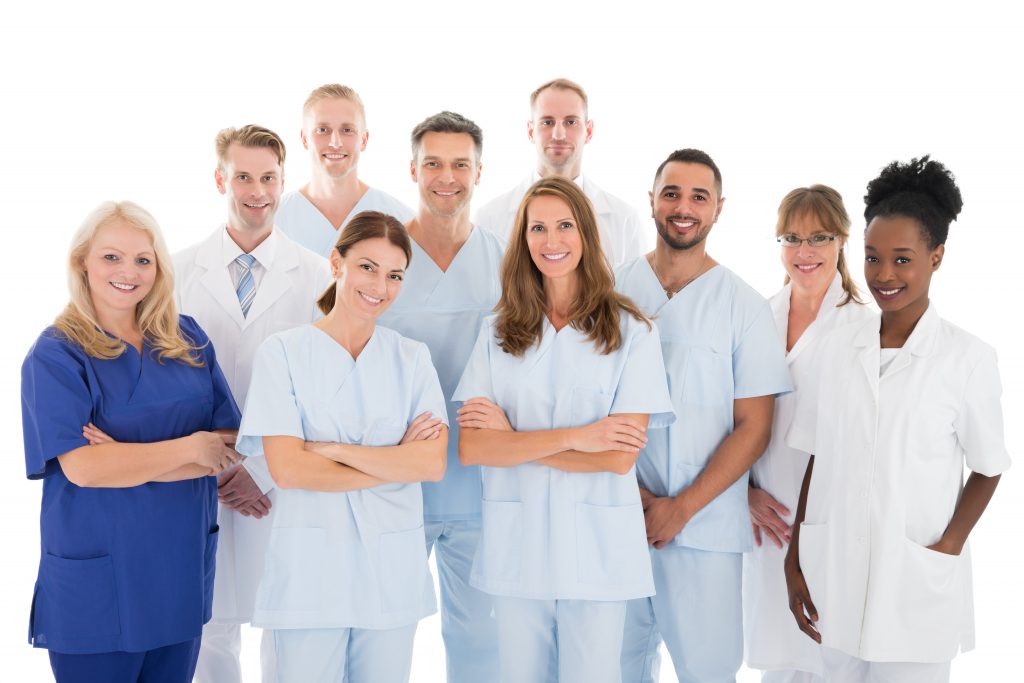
559, 392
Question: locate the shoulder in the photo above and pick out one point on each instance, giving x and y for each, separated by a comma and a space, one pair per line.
743, 295
629, 269
379, 200
506, 201
493, 244
612, 203
963, 345
192, 331
307, 258
53, 347
190, 254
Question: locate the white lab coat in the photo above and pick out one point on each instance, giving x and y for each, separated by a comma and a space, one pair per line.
771, 637
888, 471
352, 559
286, 297
618, 222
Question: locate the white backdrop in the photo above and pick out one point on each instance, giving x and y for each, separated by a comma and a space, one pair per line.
122, 101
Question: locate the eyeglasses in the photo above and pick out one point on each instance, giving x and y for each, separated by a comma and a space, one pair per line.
814, 241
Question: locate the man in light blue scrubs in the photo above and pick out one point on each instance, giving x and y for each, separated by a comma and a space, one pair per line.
725, 365
450, 286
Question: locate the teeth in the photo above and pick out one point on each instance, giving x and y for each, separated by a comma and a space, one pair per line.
889, 292
335, 157
370, 299
257, 206
811, 266
555, 257
445, 194
123, 286
683, 224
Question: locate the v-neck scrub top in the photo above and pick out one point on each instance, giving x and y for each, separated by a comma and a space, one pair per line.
121, 569
352, 559
554, 535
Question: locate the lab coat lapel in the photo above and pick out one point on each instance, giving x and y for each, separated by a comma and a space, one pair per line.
276, 281
833, 296
866, 341
920, 343
216, 280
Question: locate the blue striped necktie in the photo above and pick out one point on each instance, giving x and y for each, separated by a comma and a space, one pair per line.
246, 290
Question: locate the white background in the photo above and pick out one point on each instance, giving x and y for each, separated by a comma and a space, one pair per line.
123, 101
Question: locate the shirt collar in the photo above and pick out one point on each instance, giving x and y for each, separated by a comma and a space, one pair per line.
264, 253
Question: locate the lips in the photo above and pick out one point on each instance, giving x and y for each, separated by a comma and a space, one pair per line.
373, 301
683, 224
887, 293
124, 286
256, 206
555, 257
807, 267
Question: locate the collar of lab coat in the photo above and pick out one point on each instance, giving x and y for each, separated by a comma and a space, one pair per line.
921, 342
780, 310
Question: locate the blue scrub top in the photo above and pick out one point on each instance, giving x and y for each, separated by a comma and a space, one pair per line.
121, 569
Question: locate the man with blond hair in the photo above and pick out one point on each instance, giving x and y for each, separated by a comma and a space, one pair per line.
243, 283
559, 127
334, 133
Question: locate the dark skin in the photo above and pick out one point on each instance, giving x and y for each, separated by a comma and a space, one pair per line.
899, 262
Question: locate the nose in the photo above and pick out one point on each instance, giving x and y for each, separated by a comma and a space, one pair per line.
335, 138
559, 131
804, 250
885, 272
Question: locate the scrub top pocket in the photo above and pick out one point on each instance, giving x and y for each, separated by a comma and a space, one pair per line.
609, 539
403, 569
77, 598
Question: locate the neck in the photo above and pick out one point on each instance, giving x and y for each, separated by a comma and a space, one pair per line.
673, 266
559, 295
571, 172
441, 237
897, 326
351, 332
807, 301
122, 324
324, 188
247, 240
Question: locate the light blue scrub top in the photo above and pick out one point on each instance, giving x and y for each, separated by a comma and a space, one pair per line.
342, 560
444, 310
303, 222
719, 341
549, 534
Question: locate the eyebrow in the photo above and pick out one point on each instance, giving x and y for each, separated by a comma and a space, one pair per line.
121, 251
868, 247
557, 220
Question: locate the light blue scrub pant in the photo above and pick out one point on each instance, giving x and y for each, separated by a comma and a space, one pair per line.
467, 619
344, 655
698, 613
559, 641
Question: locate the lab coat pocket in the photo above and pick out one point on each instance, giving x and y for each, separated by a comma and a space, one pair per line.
403, 569
611, 545
501, 542
77, 598
932, 593
589, 406
294, 574
209, 565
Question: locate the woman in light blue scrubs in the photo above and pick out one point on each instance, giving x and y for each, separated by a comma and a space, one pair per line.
128, 528
558, 395
344, 411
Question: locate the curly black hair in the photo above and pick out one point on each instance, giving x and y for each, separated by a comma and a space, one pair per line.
922, 189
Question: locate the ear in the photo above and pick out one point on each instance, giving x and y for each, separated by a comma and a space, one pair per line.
335, 259
529, 130
937, 255
302, 136
479, 167
590, 131
366, 138
718, 209
650, 195
412, 170
218, 177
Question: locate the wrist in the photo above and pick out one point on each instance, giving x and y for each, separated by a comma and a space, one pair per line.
568, 440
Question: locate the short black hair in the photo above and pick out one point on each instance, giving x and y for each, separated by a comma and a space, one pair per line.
921, 189
448, 122
692, 156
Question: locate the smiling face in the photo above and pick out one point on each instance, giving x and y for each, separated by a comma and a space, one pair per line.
685, 204
553, 237
120, 267
252, 180
446, 170
368, 277
559, 129
334, 132
898, 264
810, 268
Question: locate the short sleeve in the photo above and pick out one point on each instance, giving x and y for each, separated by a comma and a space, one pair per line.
225, 410
476, 378
643, 385
758, 358
56, 402
426, 394
270, 406
979, 424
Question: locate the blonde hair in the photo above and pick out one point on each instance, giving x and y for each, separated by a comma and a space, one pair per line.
522, 305
248, 136
825, 205
560, 84
334, 91
156, 314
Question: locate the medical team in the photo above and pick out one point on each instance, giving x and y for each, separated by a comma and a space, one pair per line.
606, 449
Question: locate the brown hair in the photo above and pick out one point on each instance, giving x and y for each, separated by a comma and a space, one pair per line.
366, 225
825, 205
561, 84
522, 305
249, 136
334, 91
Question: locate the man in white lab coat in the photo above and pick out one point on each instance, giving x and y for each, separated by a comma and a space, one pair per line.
243, 283
334, 133
560, 127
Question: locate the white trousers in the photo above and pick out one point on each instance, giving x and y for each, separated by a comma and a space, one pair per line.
344, 655
842, 668
697, 611
467, 614
221, 650
563, 641
790, 676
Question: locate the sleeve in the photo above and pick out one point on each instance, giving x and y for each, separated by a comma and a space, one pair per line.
271, 408
759, 365
643, 384
476, 377
979, 424
426, 393
225, 410
56, 402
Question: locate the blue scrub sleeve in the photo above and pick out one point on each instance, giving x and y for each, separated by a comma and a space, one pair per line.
979, 424
476, 378
427, 394
270, 407
225, 411
643, 385
56, 403
759, 365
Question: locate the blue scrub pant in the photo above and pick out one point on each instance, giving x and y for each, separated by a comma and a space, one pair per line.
467, 621
170, 664
559, 641
698, 613
344, 655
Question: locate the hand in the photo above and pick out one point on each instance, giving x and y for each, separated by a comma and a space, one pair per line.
766, 517
612, 433
425, 427
94, 436
946, 547
237, 490
800, 603
208, 450
646, 497
664, 518
482, 413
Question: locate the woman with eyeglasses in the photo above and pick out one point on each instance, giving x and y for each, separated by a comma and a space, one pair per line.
819, 295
